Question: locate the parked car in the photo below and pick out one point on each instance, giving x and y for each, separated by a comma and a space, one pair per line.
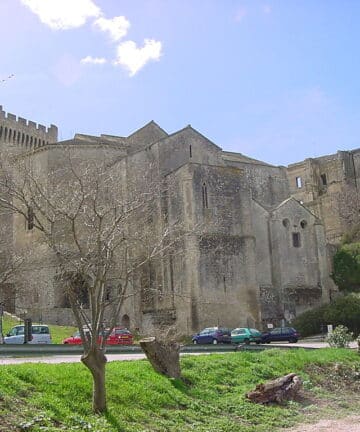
212, 335
281, 334
245, 335
40, 335
118, 336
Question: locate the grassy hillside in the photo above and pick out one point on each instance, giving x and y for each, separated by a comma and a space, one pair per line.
43, 397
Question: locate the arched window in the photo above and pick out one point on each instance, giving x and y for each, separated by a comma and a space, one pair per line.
1, 131
27, 140
205, 196
5, 134
18, 137
23, 138
9, 137
125, 321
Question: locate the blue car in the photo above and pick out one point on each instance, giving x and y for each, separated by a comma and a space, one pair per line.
212, 335
281, 334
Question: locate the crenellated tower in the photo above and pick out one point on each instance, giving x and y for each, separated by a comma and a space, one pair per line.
25, 134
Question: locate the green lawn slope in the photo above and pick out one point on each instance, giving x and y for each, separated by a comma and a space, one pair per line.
40, 397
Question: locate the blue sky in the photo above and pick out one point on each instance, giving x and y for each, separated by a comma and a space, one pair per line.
276, 80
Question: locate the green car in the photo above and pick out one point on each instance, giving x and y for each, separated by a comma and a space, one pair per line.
245, 335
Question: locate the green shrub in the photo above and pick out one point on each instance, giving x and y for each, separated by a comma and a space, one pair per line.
342, 311
346, 272
340, 337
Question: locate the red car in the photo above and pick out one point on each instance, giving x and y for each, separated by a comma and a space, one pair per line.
119, 336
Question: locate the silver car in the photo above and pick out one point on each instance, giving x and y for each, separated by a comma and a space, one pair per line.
40, 335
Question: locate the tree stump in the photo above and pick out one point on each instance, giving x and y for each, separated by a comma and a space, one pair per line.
278, 390
164, 356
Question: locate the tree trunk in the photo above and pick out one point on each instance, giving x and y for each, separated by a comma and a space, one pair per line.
95, 361
278, 390
164, 356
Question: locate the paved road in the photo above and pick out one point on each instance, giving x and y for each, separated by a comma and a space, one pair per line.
121, 357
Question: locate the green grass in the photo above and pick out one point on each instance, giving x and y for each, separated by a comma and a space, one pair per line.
58, 397
58, 333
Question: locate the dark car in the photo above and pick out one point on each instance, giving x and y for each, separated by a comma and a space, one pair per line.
212, 335
281, 334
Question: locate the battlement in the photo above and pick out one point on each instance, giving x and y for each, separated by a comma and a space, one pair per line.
23, 132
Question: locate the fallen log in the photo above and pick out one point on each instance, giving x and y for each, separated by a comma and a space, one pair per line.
164, 356
278, 390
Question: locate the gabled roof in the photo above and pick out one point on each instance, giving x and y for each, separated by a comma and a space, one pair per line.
147, 135
190, 129
295, 201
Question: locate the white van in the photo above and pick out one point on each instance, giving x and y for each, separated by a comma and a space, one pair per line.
40, 335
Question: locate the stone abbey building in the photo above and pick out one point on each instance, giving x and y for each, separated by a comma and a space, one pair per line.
263, 256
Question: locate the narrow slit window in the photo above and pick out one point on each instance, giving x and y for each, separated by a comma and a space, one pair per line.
190, 150
299, 182
204, 196
296, 240
323, 179
30, 219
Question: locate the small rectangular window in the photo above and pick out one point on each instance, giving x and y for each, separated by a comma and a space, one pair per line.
323, 179
30, 219
298, 182
296, 239
204, 196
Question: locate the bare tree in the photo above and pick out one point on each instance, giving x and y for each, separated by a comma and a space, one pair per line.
96, 226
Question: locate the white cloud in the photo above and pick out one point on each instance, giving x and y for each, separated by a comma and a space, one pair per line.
93, 60
134, 58
117, 27
63, 14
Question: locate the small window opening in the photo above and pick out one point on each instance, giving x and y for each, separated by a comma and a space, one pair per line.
323, 179
204, 196
296, 239
286, 223
190, 150
30, 219
303, 224
298, 182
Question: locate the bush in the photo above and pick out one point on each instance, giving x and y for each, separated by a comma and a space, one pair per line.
342, 311
340, 337
346, 272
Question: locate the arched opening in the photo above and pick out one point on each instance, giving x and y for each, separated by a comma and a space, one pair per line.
125, 321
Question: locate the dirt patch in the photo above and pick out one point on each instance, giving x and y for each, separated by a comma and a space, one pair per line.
348, 424
334, 393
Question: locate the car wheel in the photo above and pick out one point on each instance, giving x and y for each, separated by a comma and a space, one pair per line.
195, 342
292, 340
247, 341
257, 342
215, 341
267, 342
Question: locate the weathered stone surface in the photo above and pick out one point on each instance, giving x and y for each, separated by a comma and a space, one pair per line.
255, 255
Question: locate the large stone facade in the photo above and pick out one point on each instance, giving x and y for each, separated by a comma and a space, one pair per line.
259, 256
